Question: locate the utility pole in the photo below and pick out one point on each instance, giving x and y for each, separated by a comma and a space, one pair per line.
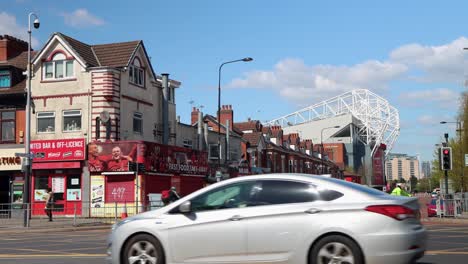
446, 135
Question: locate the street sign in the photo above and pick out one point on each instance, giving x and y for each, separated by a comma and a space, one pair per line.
466, 160
25, 155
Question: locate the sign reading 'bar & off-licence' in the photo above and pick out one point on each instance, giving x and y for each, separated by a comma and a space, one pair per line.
58, 149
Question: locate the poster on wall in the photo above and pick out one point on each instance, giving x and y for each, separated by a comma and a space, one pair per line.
58, 184
40, 194
378, 166
155, 157
73, 194
97, 191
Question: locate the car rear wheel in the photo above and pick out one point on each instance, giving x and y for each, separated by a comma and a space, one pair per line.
336, 249
143, 249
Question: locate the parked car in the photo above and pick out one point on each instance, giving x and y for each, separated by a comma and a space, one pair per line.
432, 207
275, 218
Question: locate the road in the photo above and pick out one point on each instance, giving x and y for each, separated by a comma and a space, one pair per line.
448, 243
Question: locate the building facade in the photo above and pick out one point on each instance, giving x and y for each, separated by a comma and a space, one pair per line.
426, 169
85, 94
402, 166
13, 62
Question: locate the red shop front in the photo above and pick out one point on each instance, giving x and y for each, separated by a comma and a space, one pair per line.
159, 168
58, 164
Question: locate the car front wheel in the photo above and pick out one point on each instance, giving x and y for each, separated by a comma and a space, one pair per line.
336, 249
143, 249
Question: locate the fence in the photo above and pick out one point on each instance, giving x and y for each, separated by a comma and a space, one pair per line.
454, 205
82, 214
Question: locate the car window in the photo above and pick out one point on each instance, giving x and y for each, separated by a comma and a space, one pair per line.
230, 196
357, 187
282, 192
329, 195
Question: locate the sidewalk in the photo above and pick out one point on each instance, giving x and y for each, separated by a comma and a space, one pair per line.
16, 225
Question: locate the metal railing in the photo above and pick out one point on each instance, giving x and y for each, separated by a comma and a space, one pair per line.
75, 215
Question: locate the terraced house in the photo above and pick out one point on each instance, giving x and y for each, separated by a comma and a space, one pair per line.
85, 93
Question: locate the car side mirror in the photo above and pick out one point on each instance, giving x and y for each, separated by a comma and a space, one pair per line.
186, 207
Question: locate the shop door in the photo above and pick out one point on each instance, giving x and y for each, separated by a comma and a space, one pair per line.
57, 182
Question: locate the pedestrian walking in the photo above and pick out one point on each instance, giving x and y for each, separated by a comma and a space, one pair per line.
398, 191
169, 196
49, 206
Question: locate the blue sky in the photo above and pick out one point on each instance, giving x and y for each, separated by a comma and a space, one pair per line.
409, 52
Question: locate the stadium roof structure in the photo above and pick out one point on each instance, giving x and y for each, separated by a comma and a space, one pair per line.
379, 122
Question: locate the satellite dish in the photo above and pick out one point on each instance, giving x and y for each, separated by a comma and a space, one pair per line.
104, 116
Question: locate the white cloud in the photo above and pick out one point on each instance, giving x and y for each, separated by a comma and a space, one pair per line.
296, 81
427, 120
9, 26
82, 18
437, 63
439, 98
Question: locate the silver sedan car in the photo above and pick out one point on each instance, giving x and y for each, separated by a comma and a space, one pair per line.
275, 218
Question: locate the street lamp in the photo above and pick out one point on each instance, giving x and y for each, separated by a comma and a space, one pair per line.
247, 59
321, 144
27, 169
459, 130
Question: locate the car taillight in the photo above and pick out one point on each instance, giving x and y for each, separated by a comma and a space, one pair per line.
397, 212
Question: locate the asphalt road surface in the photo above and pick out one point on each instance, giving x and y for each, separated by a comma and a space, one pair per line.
448, 243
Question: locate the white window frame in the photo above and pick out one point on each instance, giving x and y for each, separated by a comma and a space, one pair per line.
138, 116
44, 117
188, 143
137, 75
70, 114
215, 146
53, 62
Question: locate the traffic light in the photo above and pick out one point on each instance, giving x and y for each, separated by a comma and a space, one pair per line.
446, 158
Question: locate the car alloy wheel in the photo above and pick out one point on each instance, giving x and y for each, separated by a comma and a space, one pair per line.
142, 252
143, 249
336, 249
335, 253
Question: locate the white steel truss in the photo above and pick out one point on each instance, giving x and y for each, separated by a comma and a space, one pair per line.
379, 122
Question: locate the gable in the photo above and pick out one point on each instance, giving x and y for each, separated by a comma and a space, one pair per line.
57, 44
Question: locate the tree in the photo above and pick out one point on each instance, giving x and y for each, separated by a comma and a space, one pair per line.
424, 185
413, 182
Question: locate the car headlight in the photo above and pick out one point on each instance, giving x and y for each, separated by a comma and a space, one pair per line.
117, 225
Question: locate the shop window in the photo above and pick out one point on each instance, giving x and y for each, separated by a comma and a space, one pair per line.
74, 187
7, 126
120, 189
5, 79
138, 123
71, 120
41, 183
58, 68
46, 122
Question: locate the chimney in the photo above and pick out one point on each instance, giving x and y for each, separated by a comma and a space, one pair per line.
194, 116
226, 114
11, 47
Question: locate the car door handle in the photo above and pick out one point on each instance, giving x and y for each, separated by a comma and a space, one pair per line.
236, 218
312, 211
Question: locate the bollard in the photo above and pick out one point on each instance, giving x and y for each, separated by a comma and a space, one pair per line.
74, 215
115, 215
124, 213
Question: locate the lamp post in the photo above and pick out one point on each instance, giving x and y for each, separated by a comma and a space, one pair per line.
247, 59
27, 169
459, 131
321, 144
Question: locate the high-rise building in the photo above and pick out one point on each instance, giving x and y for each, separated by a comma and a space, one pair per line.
426, 169
401, 166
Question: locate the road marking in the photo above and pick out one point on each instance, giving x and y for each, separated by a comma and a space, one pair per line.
439, 252
49, 255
